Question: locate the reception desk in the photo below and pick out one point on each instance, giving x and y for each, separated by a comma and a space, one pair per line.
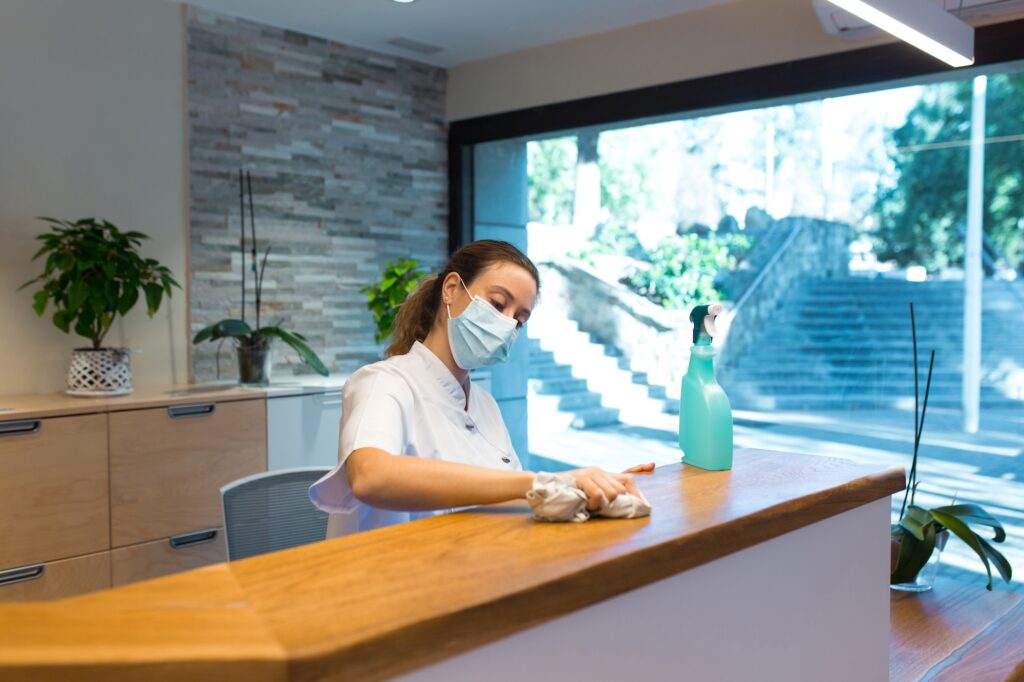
777, 569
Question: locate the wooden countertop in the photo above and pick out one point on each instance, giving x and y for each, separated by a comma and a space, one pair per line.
38, 405
379, 603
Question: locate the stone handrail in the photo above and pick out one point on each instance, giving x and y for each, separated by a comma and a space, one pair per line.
816, 248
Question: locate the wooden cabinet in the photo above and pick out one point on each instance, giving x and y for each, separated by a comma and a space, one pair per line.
53, 489
167, 465
55, 579
95, 492
161, 557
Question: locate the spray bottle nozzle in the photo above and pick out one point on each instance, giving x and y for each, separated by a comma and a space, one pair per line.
703, 319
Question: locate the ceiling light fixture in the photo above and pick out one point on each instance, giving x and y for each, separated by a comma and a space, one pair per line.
404, 2
921, 23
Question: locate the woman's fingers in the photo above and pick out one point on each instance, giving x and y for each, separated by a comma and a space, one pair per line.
630, 484
595, 495
640, 469
601, 486
611, 485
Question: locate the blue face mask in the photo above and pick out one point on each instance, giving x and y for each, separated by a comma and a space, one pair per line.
480, 336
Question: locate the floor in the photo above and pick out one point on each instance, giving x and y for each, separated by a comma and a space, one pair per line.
986, 468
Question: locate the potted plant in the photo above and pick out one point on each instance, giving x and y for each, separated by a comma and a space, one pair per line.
253, 344
920, 534
399, 279
93, 273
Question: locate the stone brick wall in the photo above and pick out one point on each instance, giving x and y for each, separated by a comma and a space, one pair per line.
348, 154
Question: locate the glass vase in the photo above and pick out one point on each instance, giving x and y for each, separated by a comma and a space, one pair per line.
925, 578
254, 363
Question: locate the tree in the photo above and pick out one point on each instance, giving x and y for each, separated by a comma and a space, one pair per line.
551, 176
921, 207
586, 207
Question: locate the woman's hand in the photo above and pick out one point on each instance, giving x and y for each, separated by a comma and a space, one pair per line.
640, 469
600, 485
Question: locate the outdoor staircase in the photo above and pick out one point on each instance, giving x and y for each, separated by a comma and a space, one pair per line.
580, 383
846, 343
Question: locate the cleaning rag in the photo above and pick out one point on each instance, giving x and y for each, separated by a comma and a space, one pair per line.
556, 497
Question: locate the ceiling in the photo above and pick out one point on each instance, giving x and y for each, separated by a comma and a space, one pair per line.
465, 30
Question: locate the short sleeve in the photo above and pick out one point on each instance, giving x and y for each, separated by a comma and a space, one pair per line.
373, 415
495, 418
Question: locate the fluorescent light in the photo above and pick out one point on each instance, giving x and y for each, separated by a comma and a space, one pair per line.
403, 2
921, 23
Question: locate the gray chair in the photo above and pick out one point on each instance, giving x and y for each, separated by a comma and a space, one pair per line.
270, 511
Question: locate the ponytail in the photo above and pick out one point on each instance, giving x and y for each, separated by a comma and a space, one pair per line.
417, 313
415, 316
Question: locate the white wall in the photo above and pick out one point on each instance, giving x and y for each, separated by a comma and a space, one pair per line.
91, 125
740, 34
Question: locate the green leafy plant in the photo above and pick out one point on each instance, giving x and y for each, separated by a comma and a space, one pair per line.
399, 279
917, 528
239, 330
93, 273
683, 269
610, 239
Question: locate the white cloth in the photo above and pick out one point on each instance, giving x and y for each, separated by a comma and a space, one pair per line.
556, 497
412, 405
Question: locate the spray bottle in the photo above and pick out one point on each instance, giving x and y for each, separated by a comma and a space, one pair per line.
705, 416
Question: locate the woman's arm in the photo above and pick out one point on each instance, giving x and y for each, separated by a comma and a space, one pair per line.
386, 481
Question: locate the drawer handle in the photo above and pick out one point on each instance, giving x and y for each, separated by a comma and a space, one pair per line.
21, 574
329, 399
20, 428
196, 410
195, 538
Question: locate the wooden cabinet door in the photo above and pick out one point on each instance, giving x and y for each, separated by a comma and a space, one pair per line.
53, 489
56, 579
170, 555
167, 465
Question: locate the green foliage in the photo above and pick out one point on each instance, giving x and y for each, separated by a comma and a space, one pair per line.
93, 273
245, 335
624, 168
552, 180
612, 240
398, 280
625, 159
683, 269
920, 208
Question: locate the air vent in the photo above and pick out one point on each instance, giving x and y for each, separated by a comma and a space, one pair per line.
845, 25
415, 46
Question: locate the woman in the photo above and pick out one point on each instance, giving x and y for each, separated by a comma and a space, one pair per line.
420, 403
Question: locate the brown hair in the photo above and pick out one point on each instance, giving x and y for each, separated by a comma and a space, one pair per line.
416, 315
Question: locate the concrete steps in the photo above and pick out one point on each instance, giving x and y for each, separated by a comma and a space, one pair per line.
577, 382
559, 400
838, 344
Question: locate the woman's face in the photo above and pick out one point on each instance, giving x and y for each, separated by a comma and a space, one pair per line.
506, 286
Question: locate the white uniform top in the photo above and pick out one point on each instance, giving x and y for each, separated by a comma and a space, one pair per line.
410, 405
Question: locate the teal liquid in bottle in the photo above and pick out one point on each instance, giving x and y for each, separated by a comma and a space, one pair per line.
705, 416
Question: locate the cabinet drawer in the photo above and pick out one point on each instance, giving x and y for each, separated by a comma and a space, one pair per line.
170, 555
56, 579
53, 489
167, 465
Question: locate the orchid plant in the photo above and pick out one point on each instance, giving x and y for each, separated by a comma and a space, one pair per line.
917, 528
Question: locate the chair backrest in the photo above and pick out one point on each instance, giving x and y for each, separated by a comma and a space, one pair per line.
270, 511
